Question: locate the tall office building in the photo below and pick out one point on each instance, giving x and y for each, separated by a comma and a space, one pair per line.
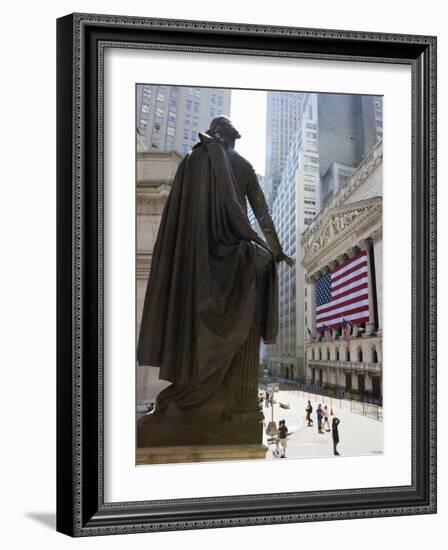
296, 204
284, 110
349, 127
169, 117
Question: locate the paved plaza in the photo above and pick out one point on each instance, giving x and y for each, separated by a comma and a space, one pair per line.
358, 434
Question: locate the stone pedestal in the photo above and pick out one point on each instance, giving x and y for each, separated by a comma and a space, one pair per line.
199, 453
242, 428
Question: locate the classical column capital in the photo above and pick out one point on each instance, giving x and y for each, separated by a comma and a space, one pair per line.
365, 244
376, 235
312, 278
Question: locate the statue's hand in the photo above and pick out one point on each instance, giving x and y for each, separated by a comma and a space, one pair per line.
282, 257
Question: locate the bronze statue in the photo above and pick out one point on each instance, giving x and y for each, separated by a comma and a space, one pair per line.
212, 295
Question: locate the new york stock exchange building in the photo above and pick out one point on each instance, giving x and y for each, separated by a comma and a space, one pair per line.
342, 261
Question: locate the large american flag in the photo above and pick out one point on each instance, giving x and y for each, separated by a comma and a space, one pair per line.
343, 294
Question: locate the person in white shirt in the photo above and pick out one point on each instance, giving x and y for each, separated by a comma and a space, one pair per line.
278, 450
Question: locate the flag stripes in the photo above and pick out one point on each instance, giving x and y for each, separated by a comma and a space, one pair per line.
343, 294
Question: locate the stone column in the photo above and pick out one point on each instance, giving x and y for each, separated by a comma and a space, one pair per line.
350, 253
312, 282
331, 266
377, 238
370, 325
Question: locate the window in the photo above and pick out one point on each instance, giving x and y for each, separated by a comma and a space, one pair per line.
157, 128
159, 112
196, 107
185, 147
186, 134
213, 99
311, 135
220, 101
197, 92
173, 102
188, 120
310, 188
172, 116
310, 146
143, 122
310, 159
308, 201
189, 105
170, 131
145, 108
190, 91
160, 97
311, 169
212, 113
147, 92
195, 122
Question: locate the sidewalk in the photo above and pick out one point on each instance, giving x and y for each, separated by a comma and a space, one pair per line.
358, 435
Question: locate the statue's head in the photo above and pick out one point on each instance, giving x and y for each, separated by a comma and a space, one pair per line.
222, 126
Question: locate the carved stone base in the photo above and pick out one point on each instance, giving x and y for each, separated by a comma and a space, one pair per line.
156, 431
199, 453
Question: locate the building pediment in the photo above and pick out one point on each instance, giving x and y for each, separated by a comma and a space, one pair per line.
338, 229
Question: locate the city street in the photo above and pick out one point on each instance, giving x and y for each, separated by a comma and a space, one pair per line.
358, 435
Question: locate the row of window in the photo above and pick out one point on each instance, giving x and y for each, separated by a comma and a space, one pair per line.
190, 106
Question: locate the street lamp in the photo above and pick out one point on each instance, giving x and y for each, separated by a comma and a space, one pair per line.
271, 429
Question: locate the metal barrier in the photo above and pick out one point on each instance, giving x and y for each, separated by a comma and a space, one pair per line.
335, 398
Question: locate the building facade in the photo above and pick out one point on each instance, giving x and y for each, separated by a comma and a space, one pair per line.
169, 117
155, 173
350, 227
334, 135
284, 110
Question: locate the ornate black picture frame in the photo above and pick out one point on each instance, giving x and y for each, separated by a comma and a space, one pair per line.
81, 509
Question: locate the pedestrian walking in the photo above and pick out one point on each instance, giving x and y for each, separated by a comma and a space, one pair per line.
326, 420
320, 415
278, 451
282, 435
266, 403
335, 434
309, 410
